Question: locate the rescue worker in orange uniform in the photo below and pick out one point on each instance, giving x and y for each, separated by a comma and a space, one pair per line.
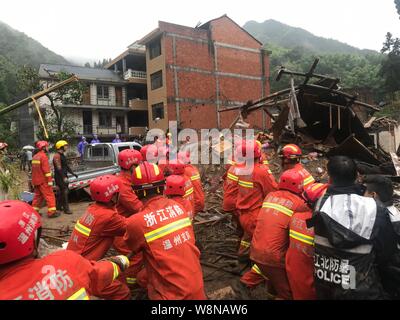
194, 175
63, 275
164, 233
42, 181
254, 184
291, 159
300, 254
149, 153
231, 190
163, 159
128, 204
177, 167
271, 236
175, 189
95, 231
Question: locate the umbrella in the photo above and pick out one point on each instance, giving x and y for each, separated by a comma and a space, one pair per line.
28, 148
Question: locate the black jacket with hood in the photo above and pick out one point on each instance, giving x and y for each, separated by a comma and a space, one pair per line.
353, 238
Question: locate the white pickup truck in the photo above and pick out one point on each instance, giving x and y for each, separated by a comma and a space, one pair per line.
98, 160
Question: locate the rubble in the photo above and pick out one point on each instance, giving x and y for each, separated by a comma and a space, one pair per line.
322, 118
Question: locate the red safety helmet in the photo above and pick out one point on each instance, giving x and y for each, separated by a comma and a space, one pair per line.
313, 192
184, 156
147, 176
103, 188
291, 151
19, 223
42, 144
292, 180
163, 153
129, 157
149, 152
176, 167
249, 149
175, 186
3, 145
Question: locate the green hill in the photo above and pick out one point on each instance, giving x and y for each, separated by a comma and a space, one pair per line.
17, 49
272, 32
296, 49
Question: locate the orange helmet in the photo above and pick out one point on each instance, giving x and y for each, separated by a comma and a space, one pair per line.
149, 152
177, 167
19, 224
249, 148
129, 157
184, 156
147, 176
103, 188
313, 192
42, 144
175, 186
291, 180
291, 151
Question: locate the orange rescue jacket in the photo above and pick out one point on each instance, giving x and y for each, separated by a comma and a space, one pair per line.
271, 235
164, 233
63, 275
41, 172
95, 231
300, 257
128, 202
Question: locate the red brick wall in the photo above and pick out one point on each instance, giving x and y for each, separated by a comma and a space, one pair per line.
194, 85
239, 61
182, 30
239, 89
226, 31
195, 55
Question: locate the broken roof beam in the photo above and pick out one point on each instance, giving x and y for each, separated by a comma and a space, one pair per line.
311, 72
344, 94
257, 103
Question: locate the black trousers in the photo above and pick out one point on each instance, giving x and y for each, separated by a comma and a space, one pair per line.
62, 198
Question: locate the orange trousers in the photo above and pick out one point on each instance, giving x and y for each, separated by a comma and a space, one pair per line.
275, 276
44, 192
248, 221
117, 290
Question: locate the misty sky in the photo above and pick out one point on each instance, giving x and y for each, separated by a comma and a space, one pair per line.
96, 29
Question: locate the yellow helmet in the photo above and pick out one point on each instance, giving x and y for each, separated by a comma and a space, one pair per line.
60, 144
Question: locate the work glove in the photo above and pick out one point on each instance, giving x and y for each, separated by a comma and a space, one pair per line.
122, 262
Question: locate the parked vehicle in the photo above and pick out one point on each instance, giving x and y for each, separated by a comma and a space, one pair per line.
98, 160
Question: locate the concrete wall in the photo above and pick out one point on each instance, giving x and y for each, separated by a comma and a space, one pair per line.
159, 95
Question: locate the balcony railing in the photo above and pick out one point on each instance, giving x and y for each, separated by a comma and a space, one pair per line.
134, 74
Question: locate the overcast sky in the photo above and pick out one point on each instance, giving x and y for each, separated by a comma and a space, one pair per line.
96, 29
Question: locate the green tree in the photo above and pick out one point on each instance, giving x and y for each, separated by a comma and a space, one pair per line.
390, 67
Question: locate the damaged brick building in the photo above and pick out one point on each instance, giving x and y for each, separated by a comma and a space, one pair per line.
194, 72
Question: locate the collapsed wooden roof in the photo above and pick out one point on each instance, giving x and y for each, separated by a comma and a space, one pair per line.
319, 110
